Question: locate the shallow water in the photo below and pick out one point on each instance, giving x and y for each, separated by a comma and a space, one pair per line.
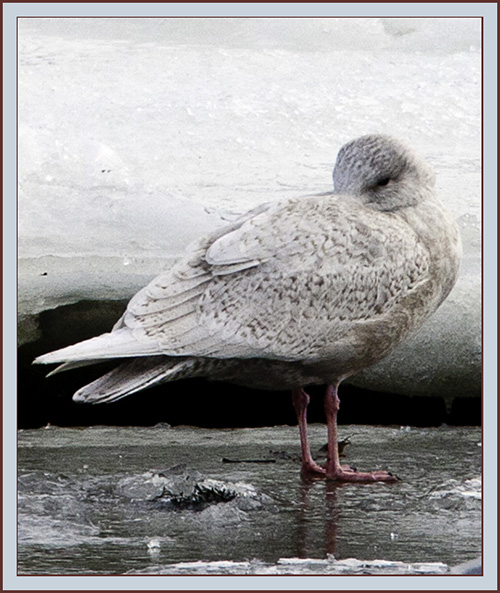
90, 502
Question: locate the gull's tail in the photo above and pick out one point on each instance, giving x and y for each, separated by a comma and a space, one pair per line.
134, 375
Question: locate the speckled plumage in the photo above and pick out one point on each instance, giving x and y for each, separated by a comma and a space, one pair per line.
300, 291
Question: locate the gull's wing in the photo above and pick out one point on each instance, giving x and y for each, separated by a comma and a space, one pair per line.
284, 282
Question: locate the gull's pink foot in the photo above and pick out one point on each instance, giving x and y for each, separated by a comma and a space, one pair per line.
335, 471
311, 469
343, 475
348, 468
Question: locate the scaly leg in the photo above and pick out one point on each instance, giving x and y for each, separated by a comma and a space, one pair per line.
300, 402
334, 471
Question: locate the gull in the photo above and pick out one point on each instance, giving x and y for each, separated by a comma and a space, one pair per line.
297, 292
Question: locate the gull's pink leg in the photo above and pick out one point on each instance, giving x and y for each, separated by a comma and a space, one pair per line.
334, 470
300, 402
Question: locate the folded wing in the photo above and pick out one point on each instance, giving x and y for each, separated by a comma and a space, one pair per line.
282, 282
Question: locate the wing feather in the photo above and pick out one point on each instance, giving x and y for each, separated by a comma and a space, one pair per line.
284, 282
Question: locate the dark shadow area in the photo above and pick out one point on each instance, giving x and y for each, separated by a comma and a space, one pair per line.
195, 402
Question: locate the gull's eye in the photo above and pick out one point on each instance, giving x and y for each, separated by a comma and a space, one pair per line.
383, 181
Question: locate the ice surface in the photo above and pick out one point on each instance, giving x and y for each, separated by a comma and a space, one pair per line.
90, 504
138, 135
178, 487
300, 566
456, 495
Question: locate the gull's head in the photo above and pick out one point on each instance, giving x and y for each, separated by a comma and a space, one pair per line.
383, 172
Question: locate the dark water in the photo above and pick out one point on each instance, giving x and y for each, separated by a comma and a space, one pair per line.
89, 500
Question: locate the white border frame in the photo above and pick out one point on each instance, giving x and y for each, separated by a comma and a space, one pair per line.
488, 581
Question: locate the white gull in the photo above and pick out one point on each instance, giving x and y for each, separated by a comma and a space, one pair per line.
301, 291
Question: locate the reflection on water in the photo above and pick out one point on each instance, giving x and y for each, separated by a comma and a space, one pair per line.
107, 501
308, 538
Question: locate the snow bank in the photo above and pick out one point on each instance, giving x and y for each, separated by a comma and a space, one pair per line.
138, 135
